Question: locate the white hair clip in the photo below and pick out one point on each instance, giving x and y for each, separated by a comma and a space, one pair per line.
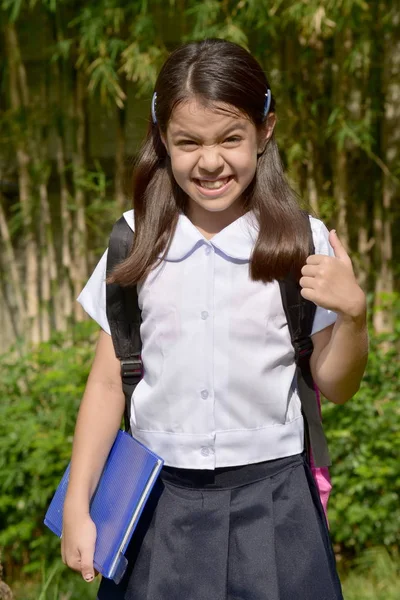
267, 104
153, 108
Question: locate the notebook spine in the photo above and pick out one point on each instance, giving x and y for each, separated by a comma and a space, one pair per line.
116, 566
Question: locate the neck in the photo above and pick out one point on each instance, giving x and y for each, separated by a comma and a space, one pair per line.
209, 223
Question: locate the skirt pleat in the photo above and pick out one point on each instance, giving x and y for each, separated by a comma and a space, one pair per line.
256, 532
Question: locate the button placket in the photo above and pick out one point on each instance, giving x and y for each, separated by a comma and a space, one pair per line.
206, 315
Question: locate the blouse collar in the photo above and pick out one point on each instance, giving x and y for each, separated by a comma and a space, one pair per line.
235, 241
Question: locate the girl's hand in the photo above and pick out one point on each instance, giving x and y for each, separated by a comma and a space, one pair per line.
330, 282
78, 542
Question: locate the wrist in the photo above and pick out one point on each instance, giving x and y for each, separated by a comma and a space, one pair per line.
356, 319
356, 311
77, 502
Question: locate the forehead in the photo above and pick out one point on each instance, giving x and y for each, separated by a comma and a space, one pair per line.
198, 118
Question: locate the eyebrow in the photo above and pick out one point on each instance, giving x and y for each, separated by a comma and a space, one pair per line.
234, 127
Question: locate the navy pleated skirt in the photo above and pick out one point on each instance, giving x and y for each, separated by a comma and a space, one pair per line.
254, 532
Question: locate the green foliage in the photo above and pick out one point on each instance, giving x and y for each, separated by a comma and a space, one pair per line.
375, 576
365, 447
40, 394
55, 583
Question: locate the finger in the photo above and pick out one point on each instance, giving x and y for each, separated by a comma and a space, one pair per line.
337, 246
315, 259
308, 294
73, 561
309, 270
307, 282
87, 568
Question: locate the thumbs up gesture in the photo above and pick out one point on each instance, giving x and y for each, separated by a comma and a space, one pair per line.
329, 281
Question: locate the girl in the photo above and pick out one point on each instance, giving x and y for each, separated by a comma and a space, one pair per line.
235, 515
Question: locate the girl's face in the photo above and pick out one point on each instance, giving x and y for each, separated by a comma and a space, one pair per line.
213, 155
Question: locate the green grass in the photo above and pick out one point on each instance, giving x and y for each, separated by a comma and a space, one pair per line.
57, 583
375, 576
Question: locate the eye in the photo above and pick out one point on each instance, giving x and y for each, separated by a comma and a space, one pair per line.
187, 143
234, 139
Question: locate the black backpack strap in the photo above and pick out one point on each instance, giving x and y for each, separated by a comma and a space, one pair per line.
300, 316
124, 316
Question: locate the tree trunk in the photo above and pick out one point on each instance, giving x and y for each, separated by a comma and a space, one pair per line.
10, 270
48, 263
312, 191
383, 319
80, 272
364, 245
66, 230
49, 279
340, 168
120, 157
11, 261
20, 101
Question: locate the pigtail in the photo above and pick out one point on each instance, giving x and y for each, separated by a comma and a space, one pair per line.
282, 246
156, 211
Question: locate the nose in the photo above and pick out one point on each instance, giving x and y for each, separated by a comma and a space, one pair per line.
210, 159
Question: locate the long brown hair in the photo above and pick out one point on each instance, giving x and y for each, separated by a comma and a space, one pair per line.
215, 71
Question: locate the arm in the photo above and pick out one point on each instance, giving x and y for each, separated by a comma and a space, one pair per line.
341, 350
98, 421
97, 424
339, 359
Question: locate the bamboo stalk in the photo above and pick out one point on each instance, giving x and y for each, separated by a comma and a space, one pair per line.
340, 166
312, 191
66, 229
120, 153
20, 101
79, 162
383, 318
11, 262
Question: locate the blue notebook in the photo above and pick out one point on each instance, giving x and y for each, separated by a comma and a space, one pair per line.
125, 484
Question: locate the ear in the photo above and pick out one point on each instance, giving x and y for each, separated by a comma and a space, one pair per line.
164, 141
265, 133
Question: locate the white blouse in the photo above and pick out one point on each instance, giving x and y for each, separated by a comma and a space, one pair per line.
218, 387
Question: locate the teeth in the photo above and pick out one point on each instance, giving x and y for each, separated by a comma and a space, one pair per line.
214, 185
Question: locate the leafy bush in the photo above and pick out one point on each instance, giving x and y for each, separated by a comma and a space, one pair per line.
40, 394
365, 447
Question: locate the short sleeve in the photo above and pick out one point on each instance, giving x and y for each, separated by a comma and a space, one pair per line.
93, 296
323, 317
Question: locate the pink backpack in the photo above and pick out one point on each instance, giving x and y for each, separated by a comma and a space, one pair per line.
321, 474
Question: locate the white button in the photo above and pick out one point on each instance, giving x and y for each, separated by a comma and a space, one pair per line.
205, 451
204, 394
208, 249
204, 315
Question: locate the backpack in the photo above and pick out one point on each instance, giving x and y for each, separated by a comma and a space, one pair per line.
124, 318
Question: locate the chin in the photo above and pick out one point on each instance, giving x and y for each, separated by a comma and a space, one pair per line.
216, 204
217, 207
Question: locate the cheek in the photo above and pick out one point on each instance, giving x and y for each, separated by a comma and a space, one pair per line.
181, 166
246, 163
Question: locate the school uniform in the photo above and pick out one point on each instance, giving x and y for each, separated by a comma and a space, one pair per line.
235, 515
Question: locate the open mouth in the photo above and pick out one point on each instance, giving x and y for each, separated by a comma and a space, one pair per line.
209, 186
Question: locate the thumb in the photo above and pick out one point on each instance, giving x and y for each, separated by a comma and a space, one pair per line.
87, 568
337, 246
